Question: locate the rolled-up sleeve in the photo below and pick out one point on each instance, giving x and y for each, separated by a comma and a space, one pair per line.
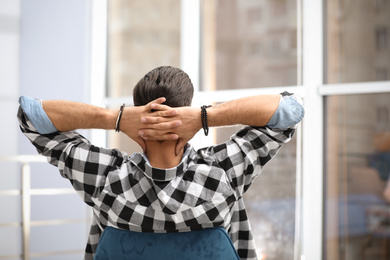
38, 117
289, 112
85, 165
249, 150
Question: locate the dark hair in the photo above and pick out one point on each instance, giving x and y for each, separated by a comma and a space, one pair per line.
169, 82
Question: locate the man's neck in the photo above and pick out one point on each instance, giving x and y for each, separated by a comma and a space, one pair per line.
161, 154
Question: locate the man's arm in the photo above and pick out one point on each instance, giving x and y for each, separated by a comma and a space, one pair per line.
69, 115
60, 115
274, 111
253, 111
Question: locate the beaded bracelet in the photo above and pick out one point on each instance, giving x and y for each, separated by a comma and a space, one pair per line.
119, 117
204, 119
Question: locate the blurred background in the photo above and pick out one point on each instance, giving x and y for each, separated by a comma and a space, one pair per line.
325, 196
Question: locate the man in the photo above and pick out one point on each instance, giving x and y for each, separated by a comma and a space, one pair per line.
170, 187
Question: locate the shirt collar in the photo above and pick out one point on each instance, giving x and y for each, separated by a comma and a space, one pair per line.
156, 174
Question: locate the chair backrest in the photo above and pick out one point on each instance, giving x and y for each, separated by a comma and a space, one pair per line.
210, 243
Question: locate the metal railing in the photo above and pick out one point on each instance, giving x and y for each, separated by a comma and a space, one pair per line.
26, 192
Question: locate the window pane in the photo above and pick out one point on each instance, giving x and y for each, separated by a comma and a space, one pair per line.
357, 214
11, 242
248, 44
50, 239
271, 206
358, 41
142, 35
270, 201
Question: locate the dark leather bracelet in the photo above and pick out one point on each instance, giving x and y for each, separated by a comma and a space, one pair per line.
119, 117
204, 119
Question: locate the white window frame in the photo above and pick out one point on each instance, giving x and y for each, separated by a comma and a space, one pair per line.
98, 63
312, 156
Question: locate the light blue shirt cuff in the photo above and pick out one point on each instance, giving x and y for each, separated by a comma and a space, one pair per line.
37, 116
289, 113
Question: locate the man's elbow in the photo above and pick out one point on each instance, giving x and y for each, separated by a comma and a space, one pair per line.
288, 114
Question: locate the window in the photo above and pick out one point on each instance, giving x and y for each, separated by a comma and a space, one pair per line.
270, 47
241, 53
357, 176
356, 131
142, 35
354, 47
242, 47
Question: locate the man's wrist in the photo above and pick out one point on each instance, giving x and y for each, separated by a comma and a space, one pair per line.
118, 119
108, 119
212, 116
204, 120
129, 118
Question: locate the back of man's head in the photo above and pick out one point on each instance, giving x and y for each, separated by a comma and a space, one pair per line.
169, 82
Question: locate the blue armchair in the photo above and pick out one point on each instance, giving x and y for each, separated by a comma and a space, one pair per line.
210, 243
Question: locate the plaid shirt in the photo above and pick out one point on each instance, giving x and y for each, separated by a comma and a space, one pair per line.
126, 192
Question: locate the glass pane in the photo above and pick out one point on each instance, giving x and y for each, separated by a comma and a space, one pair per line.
358, 41
56, 238
270, 201
60, 256
248, 44
142, 35
47, 207
270, 204
357, 213
10, 171
10, 242
13, 206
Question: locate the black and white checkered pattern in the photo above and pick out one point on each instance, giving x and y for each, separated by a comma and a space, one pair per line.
125, 192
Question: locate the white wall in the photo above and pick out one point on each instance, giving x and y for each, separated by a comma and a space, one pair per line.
9, 76
45, 53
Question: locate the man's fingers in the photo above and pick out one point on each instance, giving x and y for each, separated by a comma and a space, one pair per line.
159, 123
157, 104
160, 107
151, 120
158, 101
159, 116
166, 113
